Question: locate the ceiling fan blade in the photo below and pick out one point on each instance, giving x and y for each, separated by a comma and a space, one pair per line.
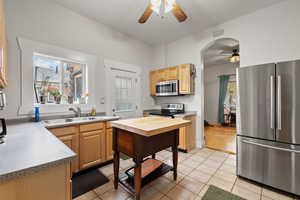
178, 13
146, 14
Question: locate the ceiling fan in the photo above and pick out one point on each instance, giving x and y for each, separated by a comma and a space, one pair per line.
162, 7
233, 56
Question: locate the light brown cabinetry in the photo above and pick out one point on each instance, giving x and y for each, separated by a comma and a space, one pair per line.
184, 73
91, 142
187, 135
186, 79
69, 136
109, 143
153, 81
40, 185
172, 73
3, 48
91, 148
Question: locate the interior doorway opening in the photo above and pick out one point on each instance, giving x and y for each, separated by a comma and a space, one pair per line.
220, 94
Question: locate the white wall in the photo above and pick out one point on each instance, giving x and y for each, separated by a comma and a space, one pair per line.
211, 89
47, 22
268, 35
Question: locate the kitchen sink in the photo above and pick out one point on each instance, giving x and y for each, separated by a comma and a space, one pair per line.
75, 120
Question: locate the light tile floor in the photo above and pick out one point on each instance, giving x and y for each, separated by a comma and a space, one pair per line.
196, 171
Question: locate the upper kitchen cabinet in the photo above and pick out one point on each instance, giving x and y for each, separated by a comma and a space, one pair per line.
3, 47
184, 73
186, 79
153, 81
172, 73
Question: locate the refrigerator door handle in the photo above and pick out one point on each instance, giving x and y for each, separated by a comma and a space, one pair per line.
270, 147
272, 121
279, 126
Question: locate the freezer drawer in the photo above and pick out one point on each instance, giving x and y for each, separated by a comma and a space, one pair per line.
271, 163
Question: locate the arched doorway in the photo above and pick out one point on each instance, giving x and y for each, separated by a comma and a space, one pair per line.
220, 60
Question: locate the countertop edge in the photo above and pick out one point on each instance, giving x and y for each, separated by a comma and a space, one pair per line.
151, 132
35, 169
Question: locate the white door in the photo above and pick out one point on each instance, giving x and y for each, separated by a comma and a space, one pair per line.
125, 89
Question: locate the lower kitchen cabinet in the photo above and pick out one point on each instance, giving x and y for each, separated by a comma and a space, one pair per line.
187, 135
49, 184
91, 148
109, 143
72, 142
92, 142
69, 136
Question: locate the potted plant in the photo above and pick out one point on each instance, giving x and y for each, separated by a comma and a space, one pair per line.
56, 94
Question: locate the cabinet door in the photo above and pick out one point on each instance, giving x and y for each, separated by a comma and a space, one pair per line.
191, 134
109, 143
182, 138
72, 142
3, 48
91, 148
161, 75
172, 73
153, 81
187, 135
185, 79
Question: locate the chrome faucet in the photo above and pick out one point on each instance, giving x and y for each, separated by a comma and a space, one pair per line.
77, 111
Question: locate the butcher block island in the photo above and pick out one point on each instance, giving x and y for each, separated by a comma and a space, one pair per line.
140, 138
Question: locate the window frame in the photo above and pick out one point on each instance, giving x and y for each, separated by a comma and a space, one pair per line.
61, 66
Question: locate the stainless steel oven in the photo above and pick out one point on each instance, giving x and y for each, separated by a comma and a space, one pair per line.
167, 88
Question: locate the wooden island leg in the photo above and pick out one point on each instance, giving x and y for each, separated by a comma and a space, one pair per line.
138, 179
175, 154
175, 162
116, 159
116, 169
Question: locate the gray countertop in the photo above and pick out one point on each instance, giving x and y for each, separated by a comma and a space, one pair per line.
185, 114
29, 148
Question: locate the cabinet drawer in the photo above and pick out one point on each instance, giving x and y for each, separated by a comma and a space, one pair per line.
91, 127
64, 131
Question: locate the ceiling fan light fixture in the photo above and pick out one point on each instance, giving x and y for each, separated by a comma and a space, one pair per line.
235, 56
156, 4
169, 5
162, 6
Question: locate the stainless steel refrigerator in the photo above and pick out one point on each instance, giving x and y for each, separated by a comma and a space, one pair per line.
268, 123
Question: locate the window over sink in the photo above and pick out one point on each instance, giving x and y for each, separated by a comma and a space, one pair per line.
59, 81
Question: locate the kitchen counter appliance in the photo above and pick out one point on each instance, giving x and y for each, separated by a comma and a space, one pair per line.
268, 142
167, 88
169, 110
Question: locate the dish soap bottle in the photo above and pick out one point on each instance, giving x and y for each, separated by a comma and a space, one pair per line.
93, 112
36, 114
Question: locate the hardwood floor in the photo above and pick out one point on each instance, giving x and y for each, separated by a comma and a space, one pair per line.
221, 138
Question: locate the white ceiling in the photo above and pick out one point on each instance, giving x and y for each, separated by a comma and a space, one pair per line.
220, 52
122, 15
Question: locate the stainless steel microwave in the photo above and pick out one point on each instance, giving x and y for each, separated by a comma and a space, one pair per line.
167, 88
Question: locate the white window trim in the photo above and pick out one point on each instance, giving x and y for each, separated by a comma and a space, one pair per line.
27, 49
109, 66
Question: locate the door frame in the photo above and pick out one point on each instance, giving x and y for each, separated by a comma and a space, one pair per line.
207, 45
110, 65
